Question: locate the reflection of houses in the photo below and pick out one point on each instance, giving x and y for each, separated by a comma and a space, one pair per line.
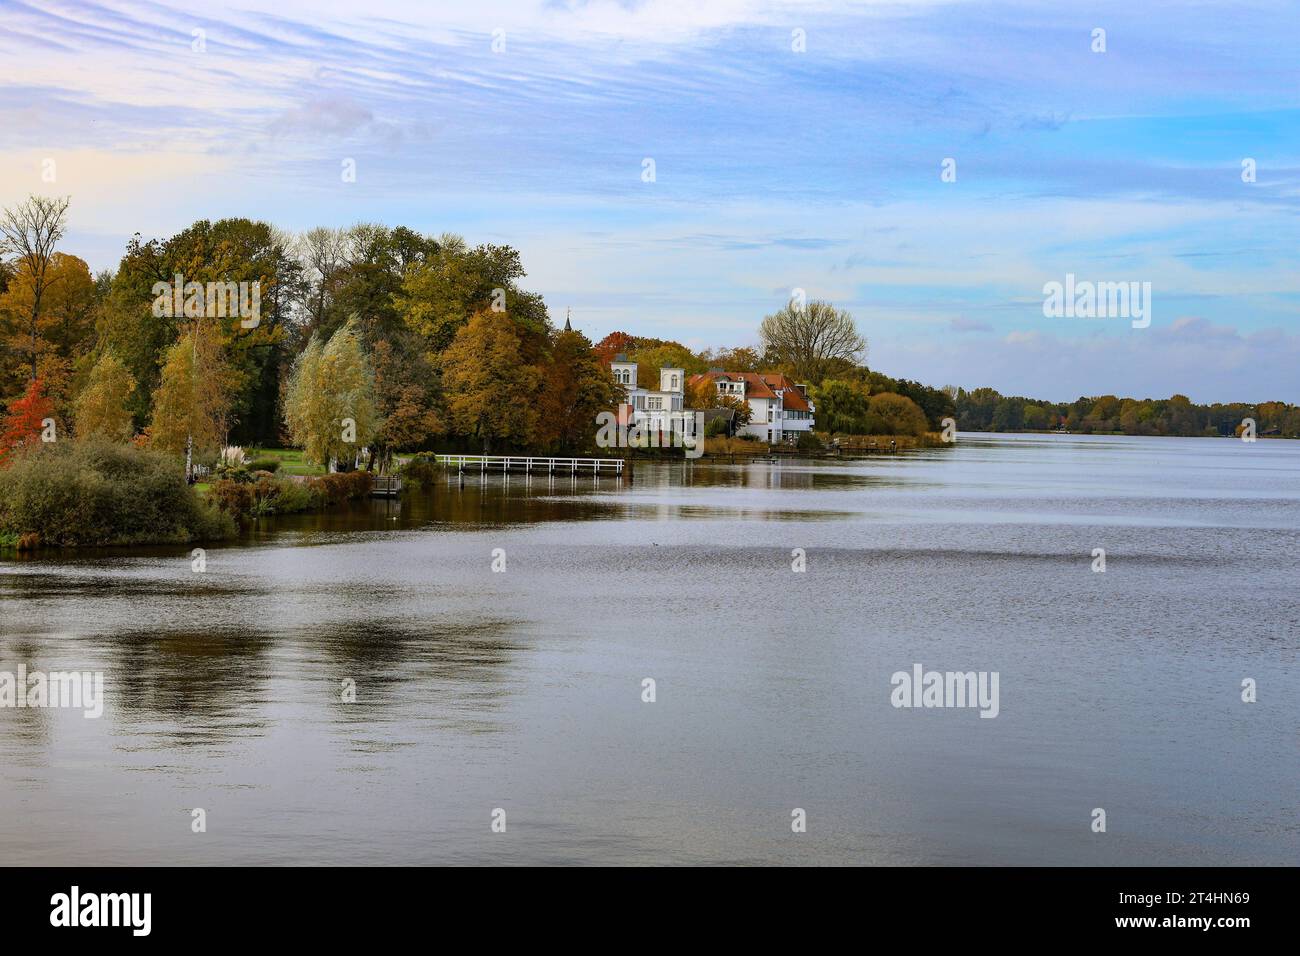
780, 410
663, 409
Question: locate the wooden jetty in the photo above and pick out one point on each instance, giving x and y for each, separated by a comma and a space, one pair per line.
386, 486
532, 464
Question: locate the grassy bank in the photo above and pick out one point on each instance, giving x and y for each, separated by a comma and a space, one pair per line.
721, 447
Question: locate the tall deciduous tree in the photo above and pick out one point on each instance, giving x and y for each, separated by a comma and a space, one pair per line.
65, 326
102, 406
329, 401
30, 231
404, 392
811, 341
578, 388
491, 395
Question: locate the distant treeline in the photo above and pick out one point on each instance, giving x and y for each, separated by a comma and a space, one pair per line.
985, 409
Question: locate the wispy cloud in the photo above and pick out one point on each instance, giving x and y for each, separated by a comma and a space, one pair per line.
776, 165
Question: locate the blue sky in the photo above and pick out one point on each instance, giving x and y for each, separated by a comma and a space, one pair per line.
775, 169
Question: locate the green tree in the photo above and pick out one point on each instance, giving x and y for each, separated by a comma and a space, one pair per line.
841, 407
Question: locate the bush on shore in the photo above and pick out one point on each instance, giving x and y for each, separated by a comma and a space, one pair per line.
269, 494
421, 470
95, 492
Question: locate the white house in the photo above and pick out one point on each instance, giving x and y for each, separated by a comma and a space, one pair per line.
779, 409
663, 409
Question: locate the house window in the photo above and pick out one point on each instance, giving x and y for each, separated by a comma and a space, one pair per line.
769, 436
655, 404
674, 384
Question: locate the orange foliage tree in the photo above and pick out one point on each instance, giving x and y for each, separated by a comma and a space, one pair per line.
26, 420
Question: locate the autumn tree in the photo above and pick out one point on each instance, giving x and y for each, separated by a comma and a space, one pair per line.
811, 341
191, 414
30, 231
441, 291
613, 345
490, 393
27, 420
742, 359
102, 405
891, 414
404, 393
329, 399
322, 252
578, 387
64, 327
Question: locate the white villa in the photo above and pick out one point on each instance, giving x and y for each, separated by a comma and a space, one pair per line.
663, 409
780, 410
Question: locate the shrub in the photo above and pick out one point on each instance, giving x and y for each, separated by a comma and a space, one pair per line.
264, 464
94, 492
422, 469
340, 486
809, 442
892, 414
266, 495
715, 428
233, 497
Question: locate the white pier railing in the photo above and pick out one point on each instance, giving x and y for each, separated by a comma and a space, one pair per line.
532, 464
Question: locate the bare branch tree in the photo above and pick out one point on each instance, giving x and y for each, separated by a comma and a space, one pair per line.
811, 339
30, 231
323, 251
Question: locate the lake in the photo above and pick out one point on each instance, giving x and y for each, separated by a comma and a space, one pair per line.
522, 689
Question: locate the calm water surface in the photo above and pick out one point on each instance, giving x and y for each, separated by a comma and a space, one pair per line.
522, 690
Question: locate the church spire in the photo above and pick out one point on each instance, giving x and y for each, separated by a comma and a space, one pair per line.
567, 326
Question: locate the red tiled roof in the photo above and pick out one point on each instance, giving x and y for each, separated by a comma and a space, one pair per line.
793, 399
762, 385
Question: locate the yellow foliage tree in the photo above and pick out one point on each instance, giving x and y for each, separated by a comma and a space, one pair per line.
329, 402
490, 393
101, 406
192, 405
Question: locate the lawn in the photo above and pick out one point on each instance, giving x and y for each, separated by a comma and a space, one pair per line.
291, 460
